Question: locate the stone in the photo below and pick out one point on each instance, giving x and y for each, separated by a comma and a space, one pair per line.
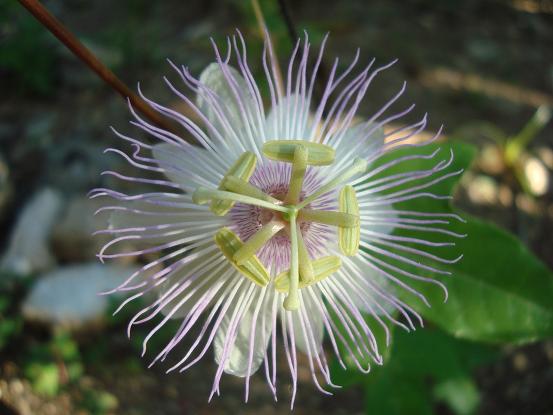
28, 248
69, 297
72, 236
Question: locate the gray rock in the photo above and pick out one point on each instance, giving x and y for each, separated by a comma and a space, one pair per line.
69, 296
28, 249
38, 131
72, 239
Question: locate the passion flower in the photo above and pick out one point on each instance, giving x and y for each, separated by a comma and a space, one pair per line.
276, 223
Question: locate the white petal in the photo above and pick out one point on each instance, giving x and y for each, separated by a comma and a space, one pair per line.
186, 166
314, 327
214, 78
237, 361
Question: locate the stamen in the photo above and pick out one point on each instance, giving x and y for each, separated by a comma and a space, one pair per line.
292, 301
242, 168
257, 240
299, 165
329, 217
284, 150
252, 268
237, 185
348, 237
202, 195
322, 268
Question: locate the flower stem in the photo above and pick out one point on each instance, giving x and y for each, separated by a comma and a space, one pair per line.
72, 43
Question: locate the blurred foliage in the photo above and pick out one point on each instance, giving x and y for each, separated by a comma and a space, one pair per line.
513, 151
10, 324
133, 43
53, 363
99, 402
56, 364
422, 368
27, 50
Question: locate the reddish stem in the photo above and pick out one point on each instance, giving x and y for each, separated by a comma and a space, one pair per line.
71, 42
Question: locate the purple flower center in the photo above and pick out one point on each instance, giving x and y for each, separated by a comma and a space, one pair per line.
273, 178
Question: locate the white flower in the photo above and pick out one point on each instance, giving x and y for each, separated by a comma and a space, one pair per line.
275, 222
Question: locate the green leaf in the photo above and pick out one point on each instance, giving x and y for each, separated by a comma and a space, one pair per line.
397, 396
425, 365
499, 291
460, 394
44, 378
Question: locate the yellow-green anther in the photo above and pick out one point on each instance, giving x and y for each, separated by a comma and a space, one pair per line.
202, 195
252, 269
329, 217
242, 168
322, 268
305, 265
257, 240
238, 185
292, 300
348, 237
299, 165
283, 150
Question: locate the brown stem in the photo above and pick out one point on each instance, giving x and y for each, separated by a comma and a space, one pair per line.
264, 31
70, 40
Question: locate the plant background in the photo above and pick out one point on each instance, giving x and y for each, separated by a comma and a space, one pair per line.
483, 68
